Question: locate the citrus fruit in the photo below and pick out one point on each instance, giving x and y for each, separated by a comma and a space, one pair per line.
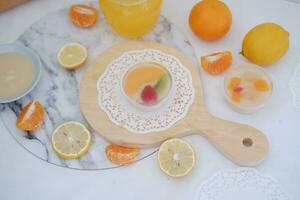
216, 63
265, 44
31, 116
83, 16
176, 157
121, 155
72, 55
210, 19
261, 85
71, 140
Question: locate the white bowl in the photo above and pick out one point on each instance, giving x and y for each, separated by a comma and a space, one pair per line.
34, 58
247, 109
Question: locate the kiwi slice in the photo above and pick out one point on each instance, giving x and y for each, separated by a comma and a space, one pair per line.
163, 83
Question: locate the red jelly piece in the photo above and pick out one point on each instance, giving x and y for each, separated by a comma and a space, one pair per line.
149, 95
238, 89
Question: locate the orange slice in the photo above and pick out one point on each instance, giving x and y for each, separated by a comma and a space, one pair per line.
71, 140
142, 75
176, 157
216, 63
83, 16
261, 85
31, 117
121, 155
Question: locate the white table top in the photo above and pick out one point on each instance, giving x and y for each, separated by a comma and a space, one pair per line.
23, 176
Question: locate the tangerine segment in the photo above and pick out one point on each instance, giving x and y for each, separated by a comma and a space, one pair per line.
121, 155
71, 140
83, 16
31, 117
142, 75
261, 85
216, 63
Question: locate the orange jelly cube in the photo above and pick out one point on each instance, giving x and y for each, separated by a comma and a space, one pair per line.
236, 97
261, 85
234, 82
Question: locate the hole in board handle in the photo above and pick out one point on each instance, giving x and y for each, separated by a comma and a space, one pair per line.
247, 142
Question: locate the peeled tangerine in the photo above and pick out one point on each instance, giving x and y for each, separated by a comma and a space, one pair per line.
265, 44
216, 63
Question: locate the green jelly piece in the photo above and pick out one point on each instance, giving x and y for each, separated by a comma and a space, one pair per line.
163, 83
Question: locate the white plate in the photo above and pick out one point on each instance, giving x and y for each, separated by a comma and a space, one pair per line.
18, 48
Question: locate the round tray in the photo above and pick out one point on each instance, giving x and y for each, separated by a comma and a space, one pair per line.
58, 89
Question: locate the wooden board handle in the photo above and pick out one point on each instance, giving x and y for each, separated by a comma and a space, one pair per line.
243, 144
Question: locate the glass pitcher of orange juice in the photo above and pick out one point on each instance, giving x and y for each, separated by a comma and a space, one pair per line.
131, 18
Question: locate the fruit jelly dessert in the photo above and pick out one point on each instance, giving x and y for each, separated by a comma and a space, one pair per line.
248, 88
147, 83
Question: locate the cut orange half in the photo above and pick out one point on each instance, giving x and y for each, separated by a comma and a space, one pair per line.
72, 55
216, 63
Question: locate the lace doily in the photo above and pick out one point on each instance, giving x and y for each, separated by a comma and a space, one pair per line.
295, 87
240, 183
122, 113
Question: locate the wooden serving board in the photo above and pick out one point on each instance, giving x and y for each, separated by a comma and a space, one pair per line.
243, 144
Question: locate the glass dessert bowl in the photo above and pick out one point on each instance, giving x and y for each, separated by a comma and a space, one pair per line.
247, 88
147, 85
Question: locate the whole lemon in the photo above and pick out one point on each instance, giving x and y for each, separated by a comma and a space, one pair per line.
210, 19
265, 43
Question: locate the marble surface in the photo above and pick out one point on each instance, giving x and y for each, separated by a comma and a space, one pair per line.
58, 89
23, 176
295, 87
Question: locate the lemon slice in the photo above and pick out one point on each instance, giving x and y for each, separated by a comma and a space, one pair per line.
176, 157
71, 140
72, 55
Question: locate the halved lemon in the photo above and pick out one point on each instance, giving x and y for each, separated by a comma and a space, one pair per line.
176, 157
71, 140
72, 55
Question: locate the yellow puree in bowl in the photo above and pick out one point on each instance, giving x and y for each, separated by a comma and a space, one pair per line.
16, 74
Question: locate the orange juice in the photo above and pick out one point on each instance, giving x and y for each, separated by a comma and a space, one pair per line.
131, 18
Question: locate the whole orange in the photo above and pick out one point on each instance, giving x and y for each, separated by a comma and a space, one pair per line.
210, 19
